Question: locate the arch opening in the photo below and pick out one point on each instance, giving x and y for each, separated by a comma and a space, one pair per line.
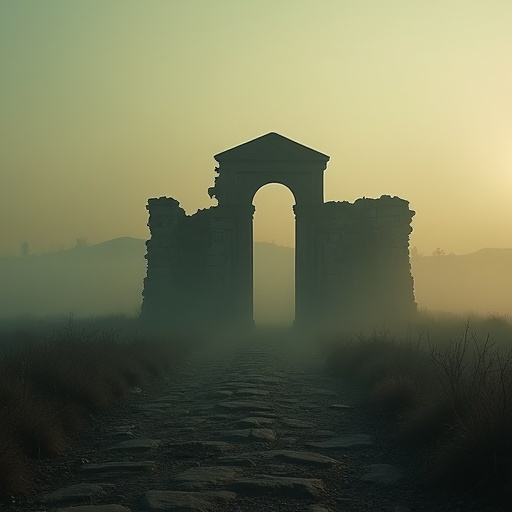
274, 256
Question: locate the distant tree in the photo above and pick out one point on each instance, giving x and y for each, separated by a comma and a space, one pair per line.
438, 252
81, 241
415, 253
24, 249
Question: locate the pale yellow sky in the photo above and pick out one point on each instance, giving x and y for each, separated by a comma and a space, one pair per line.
105, 103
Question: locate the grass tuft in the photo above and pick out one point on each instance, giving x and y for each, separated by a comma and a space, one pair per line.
427, 421
15, 468
50, 387
394, 394
451, 392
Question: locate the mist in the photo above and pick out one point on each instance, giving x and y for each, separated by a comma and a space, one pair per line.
101, 279
107, 278
479, 282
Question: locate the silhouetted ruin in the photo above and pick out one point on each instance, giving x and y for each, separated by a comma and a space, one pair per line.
351, 260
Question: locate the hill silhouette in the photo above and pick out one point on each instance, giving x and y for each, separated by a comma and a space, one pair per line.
99, 279
106, 278
480, 282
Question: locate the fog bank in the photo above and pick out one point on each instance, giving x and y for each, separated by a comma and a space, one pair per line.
107, 278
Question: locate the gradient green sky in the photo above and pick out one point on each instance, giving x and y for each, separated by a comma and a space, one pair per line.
105, 103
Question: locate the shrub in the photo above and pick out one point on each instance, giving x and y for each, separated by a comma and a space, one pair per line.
426, 421
15, 469
394, 394
453, 393
35, 419
49, 386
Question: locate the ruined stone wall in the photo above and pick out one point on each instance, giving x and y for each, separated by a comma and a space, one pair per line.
352, 263
162, 283
190, 265
362, 260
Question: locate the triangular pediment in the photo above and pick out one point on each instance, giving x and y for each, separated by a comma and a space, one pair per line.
271, 146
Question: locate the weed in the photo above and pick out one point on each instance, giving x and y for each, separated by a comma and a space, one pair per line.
50, 385
452, 392
394, 394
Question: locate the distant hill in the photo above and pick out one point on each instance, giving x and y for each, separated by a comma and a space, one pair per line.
480, 282
108, 277
89, 280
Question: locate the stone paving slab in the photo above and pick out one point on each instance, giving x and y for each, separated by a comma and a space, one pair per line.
199, 477
267, 379
347, 441
120, 466
222, 392
279, 486
76, 493
294, 423
245, 405
250, 434
95, 508
180, 501
300, 457
234, 385
137, 445
200, 446
252, 392
255, 421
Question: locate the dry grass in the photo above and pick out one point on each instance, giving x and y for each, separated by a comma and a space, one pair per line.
453, 393
15, 467
394, 394
33, 417
52, 385
426, 421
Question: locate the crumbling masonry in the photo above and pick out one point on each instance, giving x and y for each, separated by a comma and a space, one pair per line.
351, 261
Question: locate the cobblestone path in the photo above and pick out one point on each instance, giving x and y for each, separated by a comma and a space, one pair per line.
261, 427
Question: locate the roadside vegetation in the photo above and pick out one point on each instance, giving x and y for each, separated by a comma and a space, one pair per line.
445, 383
54, 382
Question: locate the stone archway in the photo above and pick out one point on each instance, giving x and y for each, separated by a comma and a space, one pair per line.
242, 171
351, 260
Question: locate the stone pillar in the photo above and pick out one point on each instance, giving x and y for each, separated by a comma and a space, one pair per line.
306, 271
243, 265
229, 265
390, 227
161, 294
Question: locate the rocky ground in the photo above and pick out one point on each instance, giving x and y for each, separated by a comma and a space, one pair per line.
259, 427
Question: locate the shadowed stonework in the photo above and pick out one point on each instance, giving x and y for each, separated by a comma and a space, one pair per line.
351, 260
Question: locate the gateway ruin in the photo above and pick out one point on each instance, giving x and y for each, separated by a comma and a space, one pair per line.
351, 259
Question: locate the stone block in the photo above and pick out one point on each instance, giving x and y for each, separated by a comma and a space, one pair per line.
216, 260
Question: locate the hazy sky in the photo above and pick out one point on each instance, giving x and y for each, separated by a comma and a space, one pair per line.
105, 103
